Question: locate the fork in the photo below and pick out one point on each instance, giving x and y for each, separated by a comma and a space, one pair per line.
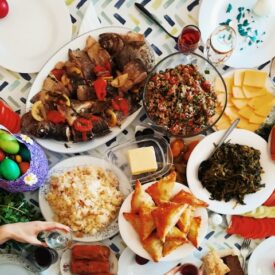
244, 251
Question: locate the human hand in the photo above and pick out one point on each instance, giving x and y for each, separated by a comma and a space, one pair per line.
27, 232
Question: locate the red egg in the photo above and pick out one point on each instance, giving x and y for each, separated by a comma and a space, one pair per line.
2, 155
24, 167
4, 8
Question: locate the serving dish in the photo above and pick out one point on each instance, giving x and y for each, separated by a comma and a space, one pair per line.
70, 163
203, 150
244, 55
61, 55
27, 51
132, 240
66, 260
177, 91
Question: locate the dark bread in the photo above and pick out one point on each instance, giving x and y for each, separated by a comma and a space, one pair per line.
234, 265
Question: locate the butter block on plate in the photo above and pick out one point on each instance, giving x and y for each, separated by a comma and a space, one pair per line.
142, 160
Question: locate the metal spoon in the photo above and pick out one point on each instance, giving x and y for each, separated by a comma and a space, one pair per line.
154, 19
205, 164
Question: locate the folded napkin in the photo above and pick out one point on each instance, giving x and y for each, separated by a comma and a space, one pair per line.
254, 228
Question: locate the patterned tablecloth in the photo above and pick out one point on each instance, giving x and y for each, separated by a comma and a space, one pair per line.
173, 14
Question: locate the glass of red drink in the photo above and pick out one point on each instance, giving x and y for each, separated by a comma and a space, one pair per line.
189, 39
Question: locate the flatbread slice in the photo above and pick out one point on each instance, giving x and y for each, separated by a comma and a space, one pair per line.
193, 234
161, 191
166, 216
154, 246
185, 219
186, 197
140, 199
171, 245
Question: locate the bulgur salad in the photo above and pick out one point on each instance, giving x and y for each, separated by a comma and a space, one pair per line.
181, 100
85, 198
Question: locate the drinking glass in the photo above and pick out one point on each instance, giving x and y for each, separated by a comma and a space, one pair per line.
57, 239
220, 44
188, 40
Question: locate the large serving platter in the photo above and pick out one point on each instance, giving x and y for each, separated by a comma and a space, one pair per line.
62, 55
73, 162
32, 32
250, 56
131, 238
203, 150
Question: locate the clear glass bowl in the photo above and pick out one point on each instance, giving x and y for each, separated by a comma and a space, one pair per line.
208, 71
118, 155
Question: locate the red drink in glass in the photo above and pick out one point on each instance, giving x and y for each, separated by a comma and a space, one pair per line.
9, 118
189, 38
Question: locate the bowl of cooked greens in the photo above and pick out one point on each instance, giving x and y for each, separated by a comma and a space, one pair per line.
180, 97
240, 176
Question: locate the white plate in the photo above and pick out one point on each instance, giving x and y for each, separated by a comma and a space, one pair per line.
32, 32
11, 264
90, 20
66, 260
262, 260
62, 55
131, 238
250, 56
127, 264
69, 163
203, 150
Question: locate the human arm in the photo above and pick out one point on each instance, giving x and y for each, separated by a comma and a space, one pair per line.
27, 232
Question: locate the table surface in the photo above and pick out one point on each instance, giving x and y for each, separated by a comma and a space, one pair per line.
173, 14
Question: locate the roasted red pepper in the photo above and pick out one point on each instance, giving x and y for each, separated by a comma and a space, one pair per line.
58, 73
100, 86
121, 104
82, 125
55, 117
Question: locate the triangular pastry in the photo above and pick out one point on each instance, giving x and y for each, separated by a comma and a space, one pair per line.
140, 199
193, 234
134, 220
171, 245
161, 190
166, 216
147, 223
185, 219
186, 197
154, 246
176, 234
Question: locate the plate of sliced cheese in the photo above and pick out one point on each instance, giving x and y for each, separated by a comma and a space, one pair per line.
249, 98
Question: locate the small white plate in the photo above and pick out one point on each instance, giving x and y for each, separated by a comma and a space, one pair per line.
32, 32
131, 238
250, 56
73, 162
62, 55
203, 150
66, 260
262, 260
127, 264
11, 264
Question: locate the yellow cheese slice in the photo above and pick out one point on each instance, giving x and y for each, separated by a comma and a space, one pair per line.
238, 78
263, 110
223, 123
246, 112
231, 112
219, 87
229, 84
237, 92
259, 101
252, 127
242, 123
239, 103
256, 119
221, 98
250, 92
255, 78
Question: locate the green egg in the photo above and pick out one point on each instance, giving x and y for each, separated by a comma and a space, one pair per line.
24, 152
9, 146
6, 136
9, 169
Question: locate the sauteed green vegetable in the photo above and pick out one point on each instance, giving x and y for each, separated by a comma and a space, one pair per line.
234, 171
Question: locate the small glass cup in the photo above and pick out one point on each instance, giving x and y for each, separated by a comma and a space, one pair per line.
57, 239
221, 44
188, 40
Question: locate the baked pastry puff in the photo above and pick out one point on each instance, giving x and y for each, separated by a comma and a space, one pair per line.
185, 219
186, 197
154, 246
171, 245
193, 234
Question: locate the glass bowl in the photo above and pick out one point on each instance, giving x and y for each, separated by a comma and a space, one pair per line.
188, 109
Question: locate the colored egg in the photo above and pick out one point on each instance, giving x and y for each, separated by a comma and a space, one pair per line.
9, 146
24, 167
6, 136
2, 155
18, 158
9, 169
24, 153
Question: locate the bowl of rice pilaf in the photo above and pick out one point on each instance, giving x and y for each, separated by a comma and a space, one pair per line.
179, 95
